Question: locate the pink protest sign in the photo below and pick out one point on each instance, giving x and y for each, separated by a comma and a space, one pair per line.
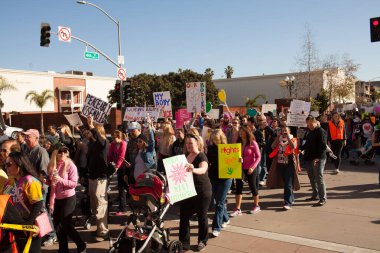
181, 116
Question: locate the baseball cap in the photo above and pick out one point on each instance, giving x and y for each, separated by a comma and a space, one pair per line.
32, 132
134, 125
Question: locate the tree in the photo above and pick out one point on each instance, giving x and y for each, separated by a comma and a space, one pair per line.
252, 102
375, 95
40, 100
143, 86
229, 71
307, 62
321, 102
209, 72
5, 85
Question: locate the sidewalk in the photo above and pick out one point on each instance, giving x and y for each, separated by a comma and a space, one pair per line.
349, 222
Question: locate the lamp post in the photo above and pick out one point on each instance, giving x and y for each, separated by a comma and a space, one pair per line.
288, 82
120, 59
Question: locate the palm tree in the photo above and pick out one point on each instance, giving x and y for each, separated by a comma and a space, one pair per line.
229, 71
209, 72
40, 100
5, 85
252, 102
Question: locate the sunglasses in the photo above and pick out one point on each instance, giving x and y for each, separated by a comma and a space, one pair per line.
62, 151
234, 123
3, 150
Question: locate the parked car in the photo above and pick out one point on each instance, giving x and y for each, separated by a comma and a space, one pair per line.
11, 132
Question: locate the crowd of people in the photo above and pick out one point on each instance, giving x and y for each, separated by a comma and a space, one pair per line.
41, 172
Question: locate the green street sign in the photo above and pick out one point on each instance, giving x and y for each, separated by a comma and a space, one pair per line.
91, 55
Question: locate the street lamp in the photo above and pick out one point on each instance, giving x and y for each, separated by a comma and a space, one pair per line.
288, 82
120, 59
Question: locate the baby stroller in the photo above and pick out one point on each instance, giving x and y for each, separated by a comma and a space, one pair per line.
366, 153
147, 199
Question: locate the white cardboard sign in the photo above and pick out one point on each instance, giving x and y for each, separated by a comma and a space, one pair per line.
73, 119
140, 113
296, 119
97, 108
162, 100
196, 96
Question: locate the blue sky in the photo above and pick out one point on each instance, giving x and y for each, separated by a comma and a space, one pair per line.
254, 37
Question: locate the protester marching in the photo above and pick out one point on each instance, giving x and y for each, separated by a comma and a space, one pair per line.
199, 158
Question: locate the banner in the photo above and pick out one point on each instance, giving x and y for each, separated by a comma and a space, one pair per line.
181, 116
140, 113
196, 97
97, 108
229, 165
265, 108
162, 100
73, 119
181, 182
296, 119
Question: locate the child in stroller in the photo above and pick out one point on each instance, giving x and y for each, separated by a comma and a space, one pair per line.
366, 153
147, 198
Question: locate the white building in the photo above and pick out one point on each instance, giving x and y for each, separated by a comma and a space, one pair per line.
70, 90
275, 86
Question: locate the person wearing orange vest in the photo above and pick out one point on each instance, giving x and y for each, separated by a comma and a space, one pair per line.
337, 138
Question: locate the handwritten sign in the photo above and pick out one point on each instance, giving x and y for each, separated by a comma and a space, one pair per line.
181, 182
141, 113
162, 100
73, 119
265, 108
297, 106
296, 119
97, 108
229, 165
181, 116
196, 97
213, 113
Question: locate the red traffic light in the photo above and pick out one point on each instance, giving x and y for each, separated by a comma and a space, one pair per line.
375, 29
375, 23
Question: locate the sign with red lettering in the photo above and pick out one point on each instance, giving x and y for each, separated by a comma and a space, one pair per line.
229, 164
196, 97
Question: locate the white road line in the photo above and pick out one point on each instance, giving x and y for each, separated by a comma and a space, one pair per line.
298, 240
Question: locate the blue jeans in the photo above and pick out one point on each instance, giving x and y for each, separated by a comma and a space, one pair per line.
378, 165
220, 188
263, 166
315, 173
287, 173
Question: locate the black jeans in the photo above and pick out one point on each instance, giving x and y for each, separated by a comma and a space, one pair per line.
63, 213
198, 204
253, 182
336, 147
121, 187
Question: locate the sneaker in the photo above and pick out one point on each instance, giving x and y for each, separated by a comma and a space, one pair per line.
215, 233
322, 202
254, 210
225, 224
235, 213
336, 171
201, 246
49, 242
262, 183
287, 207
102, 236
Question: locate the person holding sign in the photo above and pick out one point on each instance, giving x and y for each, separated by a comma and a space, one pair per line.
220, 186
97, 168
198, 165
250, 159
284, 166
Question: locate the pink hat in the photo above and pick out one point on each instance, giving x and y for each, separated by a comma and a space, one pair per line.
32, 132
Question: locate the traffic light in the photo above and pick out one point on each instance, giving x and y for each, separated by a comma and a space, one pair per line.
127, 90
45, 35
375, 29
118, 94
117, 85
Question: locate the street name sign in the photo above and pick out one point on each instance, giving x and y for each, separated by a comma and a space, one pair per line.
91, 55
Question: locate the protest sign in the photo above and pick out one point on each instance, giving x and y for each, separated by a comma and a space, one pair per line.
297, 106
196, 97
296, 119
97, 108
180, 117
141, 113
306, 107
162, 100
229, 164
314, 114
73, 119
265, 108
213, 113
181, 182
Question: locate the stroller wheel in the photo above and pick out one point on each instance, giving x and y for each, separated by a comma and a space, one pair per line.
175, 246
87, 225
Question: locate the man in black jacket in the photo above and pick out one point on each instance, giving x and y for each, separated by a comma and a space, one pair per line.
315, 159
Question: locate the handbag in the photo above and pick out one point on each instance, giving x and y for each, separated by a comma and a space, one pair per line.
42, 220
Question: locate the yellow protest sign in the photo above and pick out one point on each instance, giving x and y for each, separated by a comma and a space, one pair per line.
229, 164
222, 96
